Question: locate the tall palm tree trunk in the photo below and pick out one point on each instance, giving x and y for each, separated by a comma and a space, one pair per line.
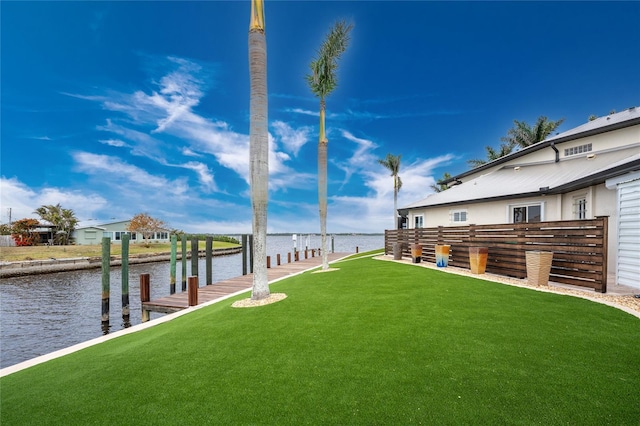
395, 202
322, 186
259, 150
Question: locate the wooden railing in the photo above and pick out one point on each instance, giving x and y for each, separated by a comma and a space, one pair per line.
579, 247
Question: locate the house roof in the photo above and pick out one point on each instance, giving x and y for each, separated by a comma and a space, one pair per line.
626, 118
90, 224
537, 179
90, 227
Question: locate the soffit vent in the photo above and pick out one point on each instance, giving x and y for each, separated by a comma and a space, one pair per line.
577, 150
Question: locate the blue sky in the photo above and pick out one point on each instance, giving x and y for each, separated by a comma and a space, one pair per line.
117, 108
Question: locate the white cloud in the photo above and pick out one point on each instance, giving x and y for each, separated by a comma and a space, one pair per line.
190, 153
110, 168
23, 201
113, 142
168, 111
292, 139
362, 157
303, 112
204, 174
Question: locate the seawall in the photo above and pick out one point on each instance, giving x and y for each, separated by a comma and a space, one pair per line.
45, 266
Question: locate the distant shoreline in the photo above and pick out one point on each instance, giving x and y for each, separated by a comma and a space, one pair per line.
36, 267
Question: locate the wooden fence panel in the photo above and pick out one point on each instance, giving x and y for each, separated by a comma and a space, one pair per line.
579, 247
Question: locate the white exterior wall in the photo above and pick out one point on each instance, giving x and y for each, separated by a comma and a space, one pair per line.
605, 141
486, 213
600, 202
604, 203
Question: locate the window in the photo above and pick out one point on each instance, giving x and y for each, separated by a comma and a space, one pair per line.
120, 234
580, 207
90, 235
459, 216
577, 150
523, 214
418, 221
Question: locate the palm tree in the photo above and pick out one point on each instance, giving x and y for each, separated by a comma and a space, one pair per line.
259, 148
322, 81
392, 163
522, 135
492, 154
439, 187
64, 221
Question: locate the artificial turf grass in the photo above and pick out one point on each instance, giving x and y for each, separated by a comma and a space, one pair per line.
372, 343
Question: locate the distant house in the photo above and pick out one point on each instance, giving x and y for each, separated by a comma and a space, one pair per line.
115, 230
589, 171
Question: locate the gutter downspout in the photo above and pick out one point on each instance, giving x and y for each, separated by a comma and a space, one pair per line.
553, 146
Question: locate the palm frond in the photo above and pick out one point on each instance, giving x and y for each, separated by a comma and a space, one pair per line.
323, 77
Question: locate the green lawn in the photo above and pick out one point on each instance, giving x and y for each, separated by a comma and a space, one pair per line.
373, 343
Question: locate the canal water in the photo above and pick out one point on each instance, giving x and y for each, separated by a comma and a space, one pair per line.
43, 313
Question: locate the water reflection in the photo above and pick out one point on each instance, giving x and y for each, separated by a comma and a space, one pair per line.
45, 313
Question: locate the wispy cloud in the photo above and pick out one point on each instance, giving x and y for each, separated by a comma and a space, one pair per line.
352, 114
204, 174
190, 153
362, 157
169, 112
292, 139
303, 111
113, 142
112, 168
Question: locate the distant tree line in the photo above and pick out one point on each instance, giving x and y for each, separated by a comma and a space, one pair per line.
60, 221
221, 238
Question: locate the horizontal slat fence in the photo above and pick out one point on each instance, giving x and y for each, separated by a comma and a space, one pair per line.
579, 247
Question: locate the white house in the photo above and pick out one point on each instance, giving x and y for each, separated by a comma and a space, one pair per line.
114, 230
589, 171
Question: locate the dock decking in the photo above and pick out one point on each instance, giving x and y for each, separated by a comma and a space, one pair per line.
178, 301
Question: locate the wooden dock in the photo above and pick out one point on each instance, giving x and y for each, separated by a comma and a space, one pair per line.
178, 301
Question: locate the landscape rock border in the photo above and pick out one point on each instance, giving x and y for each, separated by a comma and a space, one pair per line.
250, 303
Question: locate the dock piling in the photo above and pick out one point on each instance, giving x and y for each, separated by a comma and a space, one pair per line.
145, 294
251, 253
194, 256
208, 257
126, 314
183, 242
106, 283
244, 254
193, 291
172, 268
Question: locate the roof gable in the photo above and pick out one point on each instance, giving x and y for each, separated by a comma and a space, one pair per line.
626, 118
512, 181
